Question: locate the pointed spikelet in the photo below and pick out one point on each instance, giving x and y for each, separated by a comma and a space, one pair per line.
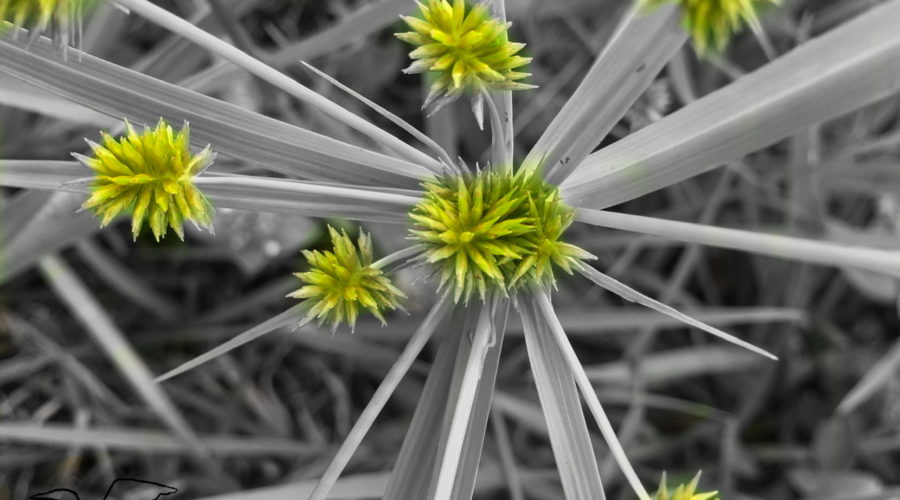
465, 47
712, 23
344, 281
493, 230
150, 175
60, 19
684, 491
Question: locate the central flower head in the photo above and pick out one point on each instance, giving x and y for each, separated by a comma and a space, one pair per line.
494, 230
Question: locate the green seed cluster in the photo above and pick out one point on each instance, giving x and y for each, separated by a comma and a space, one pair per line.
494, 230
342, 282
149, 174
465, 47
711, 23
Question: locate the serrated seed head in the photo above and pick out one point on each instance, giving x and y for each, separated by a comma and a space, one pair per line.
494, 230
344, 281
465, 47
683, 491
151, 175
60, 19
712, 23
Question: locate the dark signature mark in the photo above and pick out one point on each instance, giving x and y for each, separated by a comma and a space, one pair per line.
157, 489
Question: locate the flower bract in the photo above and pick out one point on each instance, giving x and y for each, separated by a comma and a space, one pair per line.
151, 175
465, 47
59, 17
711, 23
344, 281
494, 230
684, 491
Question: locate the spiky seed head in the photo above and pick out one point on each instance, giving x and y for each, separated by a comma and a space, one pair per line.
60, 19
465, 47
343, 281
494, 229
151, 175
711, 23
683, 491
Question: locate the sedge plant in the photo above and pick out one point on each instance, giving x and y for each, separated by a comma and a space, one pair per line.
491, 239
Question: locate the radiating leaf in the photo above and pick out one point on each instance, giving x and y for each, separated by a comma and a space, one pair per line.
637, 51
569, 436
233, 131
851, 66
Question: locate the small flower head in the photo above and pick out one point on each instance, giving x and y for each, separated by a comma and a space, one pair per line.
711, 23
684, 491
342, 282
151, 175
466, 47
493, 230
61, 18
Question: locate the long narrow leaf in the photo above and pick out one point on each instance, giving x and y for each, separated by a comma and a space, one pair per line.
414, 469
568, 432
461, 405
785, 247
542, 304
269, 74
633, 295
851, 66
291, 315
233, 131
635, 54
390, 382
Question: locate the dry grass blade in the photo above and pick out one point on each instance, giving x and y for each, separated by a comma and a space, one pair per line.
881, 373
672, 366
232, 130
96, 321
390, 382
52, 226
635, 54
149, 441
855, 64
786, 247
125, 281
542, 304
285, 318
568, 432
260, 69
633, 295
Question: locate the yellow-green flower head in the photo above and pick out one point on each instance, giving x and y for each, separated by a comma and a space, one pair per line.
151, 175
711, 23
342, 282
684, 491
60, 17
493, 230
466, 47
